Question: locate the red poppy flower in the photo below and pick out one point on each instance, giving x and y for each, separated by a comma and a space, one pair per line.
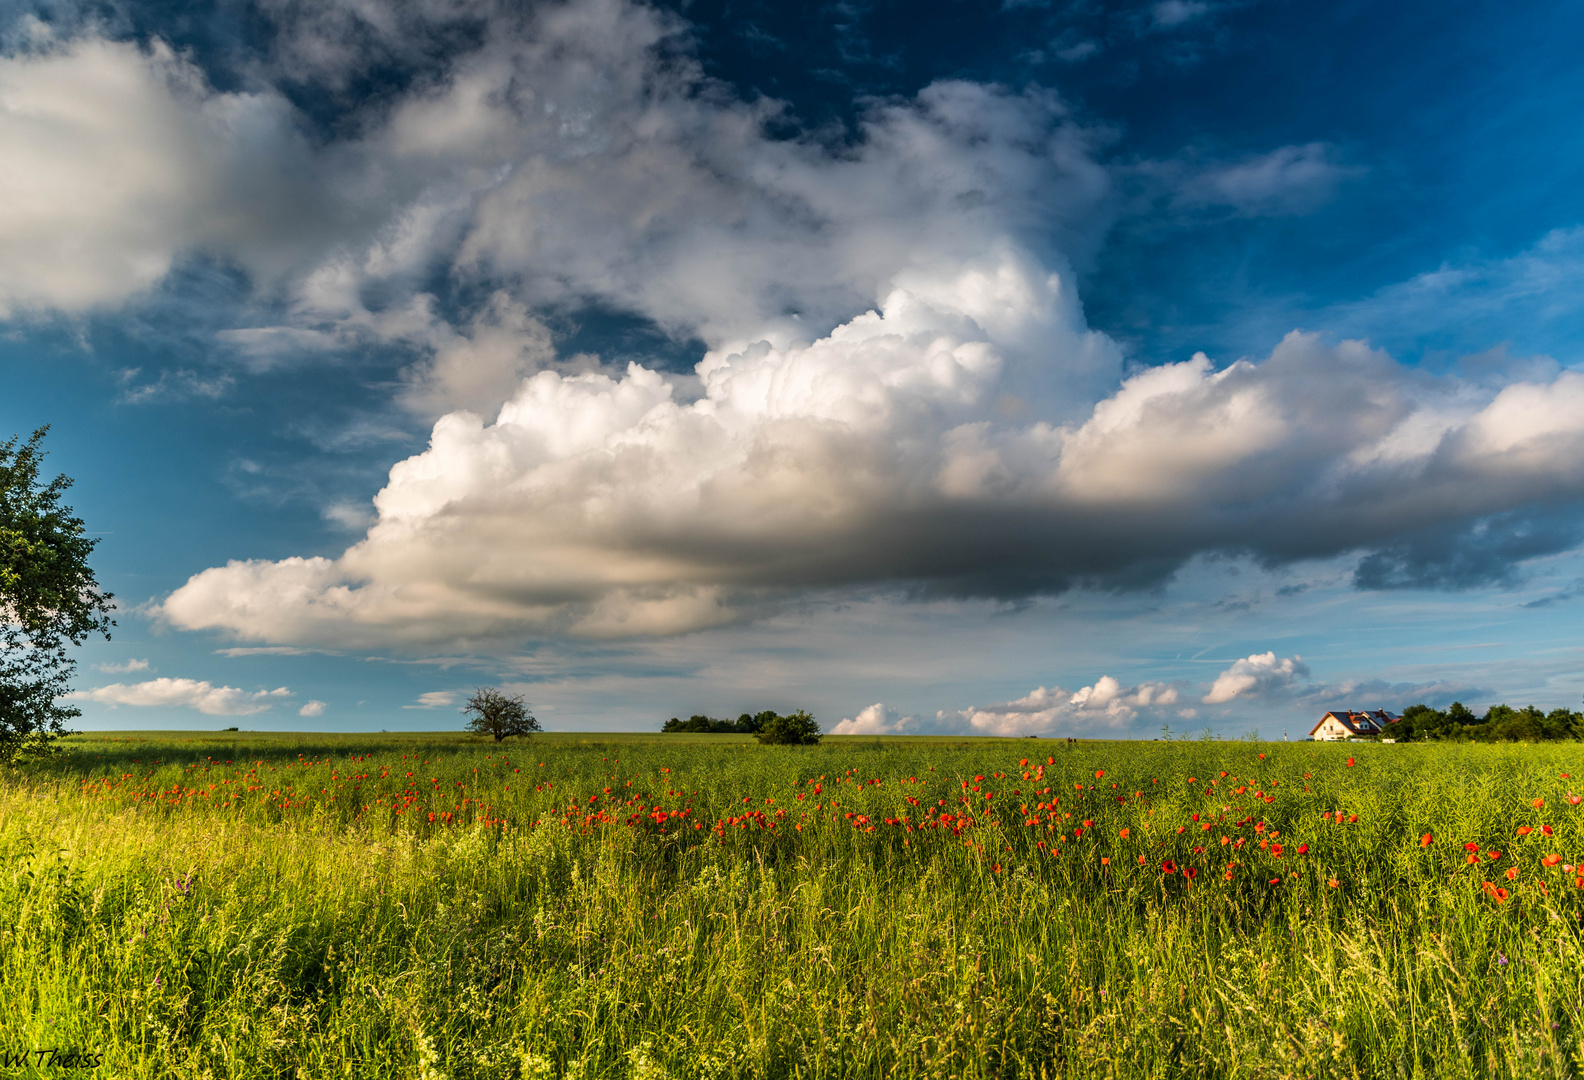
1426, 840
1303, 849
1350, 763
1168, 867
1524, 830
1190, 873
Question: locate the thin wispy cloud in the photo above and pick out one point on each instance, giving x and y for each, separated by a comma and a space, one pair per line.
434, 699
124, 667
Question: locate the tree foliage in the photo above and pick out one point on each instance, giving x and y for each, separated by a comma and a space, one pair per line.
498, 715
768, 727
49, 599
799, 729
1501, 723
746, 724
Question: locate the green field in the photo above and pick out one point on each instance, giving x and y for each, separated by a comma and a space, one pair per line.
241, 905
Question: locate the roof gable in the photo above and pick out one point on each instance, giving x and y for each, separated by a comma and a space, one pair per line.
1371, 722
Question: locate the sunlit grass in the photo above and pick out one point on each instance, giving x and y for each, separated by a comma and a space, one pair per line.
248, 905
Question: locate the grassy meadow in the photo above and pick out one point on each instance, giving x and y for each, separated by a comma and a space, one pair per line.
244, 905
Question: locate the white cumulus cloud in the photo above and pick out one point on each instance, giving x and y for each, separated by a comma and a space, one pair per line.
115, 158
599, 505
312, 708
877, 719
577, 153
1254, 675
1106, 706
187, 693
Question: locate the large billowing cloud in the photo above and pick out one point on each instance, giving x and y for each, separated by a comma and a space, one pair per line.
1254, 676
897, 388
115, 159
577, 155
882, 454
580, 153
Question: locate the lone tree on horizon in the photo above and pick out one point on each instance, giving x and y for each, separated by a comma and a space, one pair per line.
498, 715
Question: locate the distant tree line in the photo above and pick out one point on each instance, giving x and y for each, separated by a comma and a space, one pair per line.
768, 727
746, 724
1501, 723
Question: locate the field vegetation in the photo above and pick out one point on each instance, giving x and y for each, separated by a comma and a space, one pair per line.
241, 905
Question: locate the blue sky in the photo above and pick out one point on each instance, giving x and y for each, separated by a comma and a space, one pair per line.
1007, 367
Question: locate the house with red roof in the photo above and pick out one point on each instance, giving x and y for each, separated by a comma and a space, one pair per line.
1346, 724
